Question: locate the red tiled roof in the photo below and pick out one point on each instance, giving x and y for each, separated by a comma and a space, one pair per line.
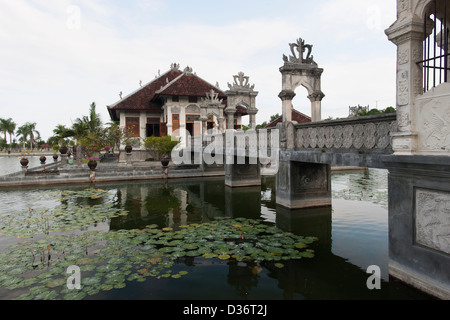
190, 85
296, 116
172, 83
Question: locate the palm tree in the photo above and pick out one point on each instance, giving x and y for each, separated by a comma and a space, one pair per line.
91, 123
61, 132
3, 125
28, 130
10, 128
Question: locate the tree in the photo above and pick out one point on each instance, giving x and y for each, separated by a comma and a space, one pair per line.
28, 130
61, 133
91, 123
160, 146
8, 126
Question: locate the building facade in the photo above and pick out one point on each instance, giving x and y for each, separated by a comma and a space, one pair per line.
181, 104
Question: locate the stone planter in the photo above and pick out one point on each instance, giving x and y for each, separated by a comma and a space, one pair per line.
63, 150
92, 164
128, 149
55, 157
165, 162
43, 159
24, 162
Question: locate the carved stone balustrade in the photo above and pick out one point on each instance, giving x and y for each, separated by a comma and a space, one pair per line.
372, 133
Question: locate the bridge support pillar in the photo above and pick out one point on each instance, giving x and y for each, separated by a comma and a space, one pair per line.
303, 185
242, 175
419, 219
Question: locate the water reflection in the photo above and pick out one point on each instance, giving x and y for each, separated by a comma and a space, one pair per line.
352, 235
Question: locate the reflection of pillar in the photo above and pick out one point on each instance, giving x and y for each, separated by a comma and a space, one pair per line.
286, 97
235, 197
307, 222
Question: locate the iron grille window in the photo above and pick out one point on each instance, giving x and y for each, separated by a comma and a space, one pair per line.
435, 47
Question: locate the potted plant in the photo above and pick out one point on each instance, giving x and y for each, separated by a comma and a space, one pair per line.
161, 147
23, 159
92, 164
43, 159
63, 150
128, 148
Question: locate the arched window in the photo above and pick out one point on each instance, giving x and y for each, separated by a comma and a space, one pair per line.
435, 60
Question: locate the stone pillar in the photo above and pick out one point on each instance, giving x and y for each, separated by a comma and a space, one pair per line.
63, 160
286, 97
252, 113
204, 120
419, 217
230, 111
407, 33
303, 185
242, 175
316, 105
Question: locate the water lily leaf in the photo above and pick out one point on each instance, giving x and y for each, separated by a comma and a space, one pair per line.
300, 245
224, 256
279, 265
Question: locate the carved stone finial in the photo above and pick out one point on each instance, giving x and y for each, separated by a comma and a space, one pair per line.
175, 67
120, 95
212, 97
298, 53
140, 83
217, 85
241, 83
188, 70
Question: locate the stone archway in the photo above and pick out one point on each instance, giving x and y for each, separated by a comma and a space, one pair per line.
241, 93
301, 70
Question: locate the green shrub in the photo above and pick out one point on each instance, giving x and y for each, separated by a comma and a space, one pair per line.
160, 147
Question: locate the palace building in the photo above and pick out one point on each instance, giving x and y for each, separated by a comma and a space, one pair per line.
181, 104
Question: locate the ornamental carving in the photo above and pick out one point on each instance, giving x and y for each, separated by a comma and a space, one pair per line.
403, 89
371, 135
298, 51
338, 139
383, 138
212, 98
347, 136
358, 136
403, 56
433, 219
241, 83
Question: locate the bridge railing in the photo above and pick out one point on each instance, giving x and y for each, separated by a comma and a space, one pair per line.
369, 133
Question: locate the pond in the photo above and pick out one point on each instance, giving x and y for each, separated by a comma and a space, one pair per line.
11, 164
195, 239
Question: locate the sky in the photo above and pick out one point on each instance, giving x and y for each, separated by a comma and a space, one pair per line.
59, 56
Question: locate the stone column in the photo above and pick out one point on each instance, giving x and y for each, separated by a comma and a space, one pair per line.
252, 113
230, 111
286, 97
242, 175
316, 105
303, 185
407, 33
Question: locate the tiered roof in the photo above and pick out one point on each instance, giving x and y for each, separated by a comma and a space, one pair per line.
171, 83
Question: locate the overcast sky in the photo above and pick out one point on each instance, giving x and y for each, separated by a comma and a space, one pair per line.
59, 56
